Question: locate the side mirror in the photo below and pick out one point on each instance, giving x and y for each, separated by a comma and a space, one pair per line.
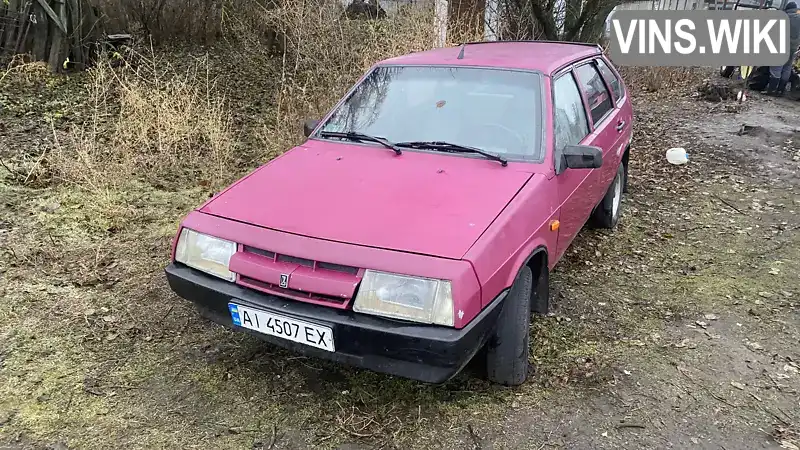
309, 126
579, 157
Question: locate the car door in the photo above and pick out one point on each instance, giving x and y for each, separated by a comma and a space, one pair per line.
607, 127
571, 126
624, 119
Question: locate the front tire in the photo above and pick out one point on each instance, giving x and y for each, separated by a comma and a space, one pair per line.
508, 349
606, 214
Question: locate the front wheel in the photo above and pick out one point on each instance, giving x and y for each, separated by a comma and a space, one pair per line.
606, 214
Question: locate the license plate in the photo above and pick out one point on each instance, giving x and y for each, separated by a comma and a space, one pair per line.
281, 326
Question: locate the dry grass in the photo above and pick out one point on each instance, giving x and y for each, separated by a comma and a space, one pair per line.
151, 123
654, 79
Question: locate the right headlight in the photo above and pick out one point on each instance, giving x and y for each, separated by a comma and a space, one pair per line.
423, 300
207, 253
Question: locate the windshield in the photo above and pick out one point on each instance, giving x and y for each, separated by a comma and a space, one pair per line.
495, 110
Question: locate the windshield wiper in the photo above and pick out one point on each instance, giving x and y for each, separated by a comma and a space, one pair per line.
361, 137
450, 147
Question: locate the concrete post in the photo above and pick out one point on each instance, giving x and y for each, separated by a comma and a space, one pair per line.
440, 17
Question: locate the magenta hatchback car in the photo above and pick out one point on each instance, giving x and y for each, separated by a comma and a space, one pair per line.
417, 225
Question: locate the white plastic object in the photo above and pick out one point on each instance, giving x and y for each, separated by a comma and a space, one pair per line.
677, 156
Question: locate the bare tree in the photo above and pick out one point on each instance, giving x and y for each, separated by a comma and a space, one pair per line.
557, 20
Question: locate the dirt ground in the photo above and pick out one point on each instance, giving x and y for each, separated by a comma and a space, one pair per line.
678, 329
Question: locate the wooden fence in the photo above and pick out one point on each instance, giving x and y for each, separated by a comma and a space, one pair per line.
61, 32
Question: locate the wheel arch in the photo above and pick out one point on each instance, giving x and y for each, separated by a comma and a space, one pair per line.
625, 161
537, 259
626, 155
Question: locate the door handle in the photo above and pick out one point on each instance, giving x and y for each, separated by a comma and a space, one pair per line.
620, 125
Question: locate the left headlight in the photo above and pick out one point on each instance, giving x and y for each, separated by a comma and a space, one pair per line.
423, 300
207, 253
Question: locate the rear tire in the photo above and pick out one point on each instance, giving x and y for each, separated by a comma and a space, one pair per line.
606, 214
508, 349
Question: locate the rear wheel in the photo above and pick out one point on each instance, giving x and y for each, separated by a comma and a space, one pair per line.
508, 349
606, 214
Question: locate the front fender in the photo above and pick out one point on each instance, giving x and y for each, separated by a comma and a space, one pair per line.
508, 243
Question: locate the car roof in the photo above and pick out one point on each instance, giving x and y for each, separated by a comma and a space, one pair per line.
543, 56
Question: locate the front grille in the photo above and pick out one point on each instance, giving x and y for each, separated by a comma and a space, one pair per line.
306, 296
337, 268
258, 251
302, 261
292, 293
295, 260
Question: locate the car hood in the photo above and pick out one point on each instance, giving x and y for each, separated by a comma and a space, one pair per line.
427, 203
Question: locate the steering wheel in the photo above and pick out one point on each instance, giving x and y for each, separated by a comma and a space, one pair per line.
506, 132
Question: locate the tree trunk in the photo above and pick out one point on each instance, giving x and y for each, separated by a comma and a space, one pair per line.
572, 13
491, 17
545, 20
594, 27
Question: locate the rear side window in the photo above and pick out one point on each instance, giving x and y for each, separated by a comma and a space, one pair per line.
595, 90
570, 124
612, 79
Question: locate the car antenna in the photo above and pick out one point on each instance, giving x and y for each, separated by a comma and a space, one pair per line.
461, 53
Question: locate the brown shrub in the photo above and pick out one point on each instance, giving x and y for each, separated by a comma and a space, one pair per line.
153, 124
653, 79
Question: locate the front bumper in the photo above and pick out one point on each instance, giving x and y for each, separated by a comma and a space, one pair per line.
431, 354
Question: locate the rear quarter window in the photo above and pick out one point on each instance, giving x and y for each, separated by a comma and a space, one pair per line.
611, 78
594, 88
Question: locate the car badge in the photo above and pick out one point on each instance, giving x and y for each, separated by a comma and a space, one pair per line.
284, 283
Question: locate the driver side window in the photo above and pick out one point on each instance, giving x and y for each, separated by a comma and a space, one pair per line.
570, 122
